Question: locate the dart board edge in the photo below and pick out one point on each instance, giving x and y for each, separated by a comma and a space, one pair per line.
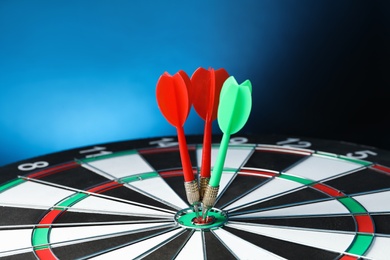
284, 197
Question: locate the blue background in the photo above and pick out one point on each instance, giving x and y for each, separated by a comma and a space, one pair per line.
76, 73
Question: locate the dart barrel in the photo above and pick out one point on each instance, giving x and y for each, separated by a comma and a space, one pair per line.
203, 183
210, 196
192, 191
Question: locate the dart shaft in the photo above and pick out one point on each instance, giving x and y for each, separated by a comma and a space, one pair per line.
206, 151
219, 162
184, 156
205, 171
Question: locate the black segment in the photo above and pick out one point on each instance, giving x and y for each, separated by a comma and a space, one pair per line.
282, 248
242, 183
126, 193
272, 160
87, 248
79, 217
166, 159
343, 223
20, 216
299, 196
361, 181
77, 178
169, 250
215, 249
382, 223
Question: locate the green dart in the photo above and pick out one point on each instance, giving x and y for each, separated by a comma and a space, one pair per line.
235, 104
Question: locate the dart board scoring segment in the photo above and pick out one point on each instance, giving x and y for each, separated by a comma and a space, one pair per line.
284, 197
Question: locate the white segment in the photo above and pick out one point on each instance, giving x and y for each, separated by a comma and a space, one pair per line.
120, 166
225, 179
134, 250
318, 208
157, 187
193, 249
67, 235
33, 195
321, 167
235, 157
375, 202
338, 242
17, 239
270, 188
102, 205
243, 249
379, 249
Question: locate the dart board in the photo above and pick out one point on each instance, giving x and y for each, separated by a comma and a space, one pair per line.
279, 198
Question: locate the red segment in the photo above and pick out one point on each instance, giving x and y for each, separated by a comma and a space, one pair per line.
259, 172
381, 168
164, 150
52, 170
364, 224
348, 257
173, 173
285, 150
105, 187
328, 190
45, 254
49, 218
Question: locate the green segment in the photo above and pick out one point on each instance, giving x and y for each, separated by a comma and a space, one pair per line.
296, 179
352, 205
107, 156
229, 170
11, 184
361, 243
139, 177
327, 154
72, 200
40, 238
242, 146
345, 158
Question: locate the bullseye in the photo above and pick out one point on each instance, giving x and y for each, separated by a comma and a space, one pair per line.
187, 218
200, 221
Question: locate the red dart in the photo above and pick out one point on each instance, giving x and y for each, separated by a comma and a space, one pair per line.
175, 104
206, 87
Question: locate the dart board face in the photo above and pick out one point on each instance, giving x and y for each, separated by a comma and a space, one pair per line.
279, 198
